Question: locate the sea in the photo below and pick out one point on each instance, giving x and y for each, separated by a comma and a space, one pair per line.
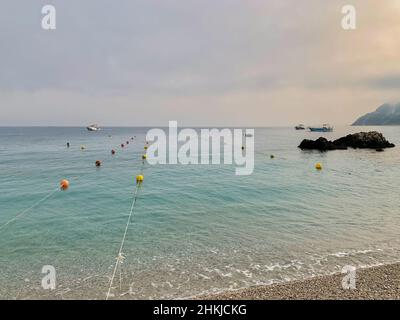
194, 229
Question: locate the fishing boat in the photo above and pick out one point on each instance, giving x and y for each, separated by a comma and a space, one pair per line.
93, 127
324, 128
300, 127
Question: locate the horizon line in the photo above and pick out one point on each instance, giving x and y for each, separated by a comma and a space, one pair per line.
157, 126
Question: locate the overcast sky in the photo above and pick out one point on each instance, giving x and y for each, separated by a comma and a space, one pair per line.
200, 62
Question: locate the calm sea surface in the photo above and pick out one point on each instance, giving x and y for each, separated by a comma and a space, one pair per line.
195, 229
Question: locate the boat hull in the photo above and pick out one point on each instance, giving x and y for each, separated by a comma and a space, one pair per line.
321, 129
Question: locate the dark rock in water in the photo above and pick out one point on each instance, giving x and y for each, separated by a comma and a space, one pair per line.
362, 140
365, 140
321, 144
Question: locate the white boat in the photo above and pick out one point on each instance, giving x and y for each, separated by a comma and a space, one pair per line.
93, 127
300, 127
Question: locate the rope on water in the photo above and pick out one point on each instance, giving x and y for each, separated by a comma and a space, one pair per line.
120, 257
19, 215
49, 195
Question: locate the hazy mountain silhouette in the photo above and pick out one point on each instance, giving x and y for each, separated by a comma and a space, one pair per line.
386, 115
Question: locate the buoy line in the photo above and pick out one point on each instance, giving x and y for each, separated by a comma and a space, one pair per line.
64, 185
22, 213
120, 257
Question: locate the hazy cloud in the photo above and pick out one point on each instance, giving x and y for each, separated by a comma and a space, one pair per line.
387, 82
197, 61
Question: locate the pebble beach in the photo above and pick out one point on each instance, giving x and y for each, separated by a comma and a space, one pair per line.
375, 283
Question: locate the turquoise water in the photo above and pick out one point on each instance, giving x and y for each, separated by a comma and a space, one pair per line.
195, 229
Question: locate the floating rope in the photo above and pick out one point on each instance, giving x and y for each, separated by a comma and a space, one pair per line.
49, 195
19, 215
120, 257
119, 260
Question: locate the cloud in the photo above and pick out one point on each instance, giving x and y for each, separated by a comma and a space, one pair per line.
385, 82
195, 60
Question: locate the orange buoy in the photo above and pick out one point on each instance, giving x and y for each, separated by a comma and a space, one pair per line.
98, 163
64, 184
122, 145
113, 152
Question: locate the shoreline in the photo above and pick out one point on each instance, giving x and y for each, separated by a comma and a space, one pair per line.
372, 283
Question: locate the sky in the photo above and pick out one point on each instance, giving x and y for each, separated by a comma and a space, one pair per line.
199, 62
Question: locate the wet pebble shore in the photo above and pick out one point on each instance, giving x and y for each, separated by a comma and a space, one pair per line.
382, 282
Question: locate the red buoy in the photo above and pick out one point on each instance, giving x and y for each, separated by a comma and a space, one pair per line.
112, 152
98, 163
122, 145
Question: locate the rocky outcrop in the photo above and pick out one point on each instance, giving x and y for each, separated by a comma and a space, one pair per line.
361, 140
320, 144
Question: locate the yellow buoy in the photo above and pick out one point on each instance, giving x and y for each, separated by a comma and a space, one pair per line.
144, 157
83, 147
318, 166
64, 184
139, 178
145, 147
272, 156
